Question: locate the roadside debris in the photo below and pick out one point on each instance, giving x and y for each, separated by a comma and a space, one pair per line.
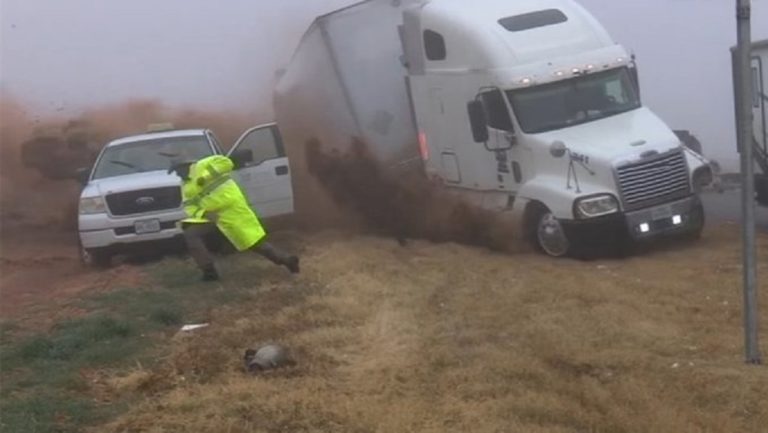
268, 357
188, 328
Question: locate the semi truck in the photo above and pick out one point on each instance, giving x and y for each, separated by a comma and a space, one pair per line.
528, 108
759, 68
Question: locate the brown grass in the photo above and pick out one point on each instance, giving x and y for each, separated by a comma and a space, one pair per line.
436, 338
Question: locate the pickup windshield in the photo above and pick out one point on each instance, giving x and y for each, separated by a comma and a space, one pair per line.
150, 155
571, 102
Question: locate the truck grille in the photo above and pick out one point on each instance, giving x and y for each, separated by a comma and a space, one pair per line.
654, 181
145, 200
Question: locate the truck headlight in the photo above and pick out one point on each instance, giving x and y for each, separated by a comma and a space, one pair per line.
92, 205
702, 178
595, 206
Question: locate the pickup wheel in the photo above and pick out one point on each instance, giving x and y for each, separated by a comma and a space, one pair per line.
547, 233
94, 257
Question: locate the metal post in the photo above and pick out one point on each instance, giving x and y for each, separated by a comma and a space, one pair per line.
744, 101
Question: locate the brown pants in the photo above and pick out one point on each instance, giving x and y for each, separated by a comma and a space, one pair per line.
195, 235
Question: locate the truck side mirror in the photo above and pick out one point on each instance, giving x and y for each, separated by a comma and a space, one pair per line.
82, 175
635, 77
242, 158
478, 121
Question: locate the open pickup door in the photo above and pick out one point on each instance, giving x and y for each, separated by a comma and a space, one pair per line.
266, 178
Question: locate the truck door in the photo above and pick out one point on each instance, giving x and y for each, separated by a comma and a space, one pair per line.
501, 139
441, 127
266, 179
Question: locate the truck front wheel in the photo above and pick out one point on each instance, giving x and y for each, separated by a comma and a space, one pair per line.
697, 221
95, 257
548, 233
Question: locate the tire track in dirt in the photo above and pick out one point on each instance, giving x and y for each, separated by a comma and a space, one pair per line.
413, 344
41, 276
372, 282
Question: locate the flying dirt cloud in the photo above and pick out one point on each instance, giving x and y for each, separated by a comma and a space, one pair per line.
111, 68
39, 155
407, 205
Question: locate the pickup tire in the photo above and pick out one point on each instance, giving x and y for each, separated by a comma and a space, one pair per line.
94, 257
546, 232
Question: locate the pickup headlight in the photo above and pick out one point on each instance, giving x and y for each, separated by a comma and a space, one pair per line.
595, 206
92, 205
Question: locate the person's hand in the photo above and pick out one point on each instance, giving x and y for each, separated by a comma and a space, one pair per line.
212, 217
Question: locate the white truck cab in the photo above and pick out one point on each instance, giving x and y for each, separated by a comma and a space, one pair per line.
525, 107
130, 202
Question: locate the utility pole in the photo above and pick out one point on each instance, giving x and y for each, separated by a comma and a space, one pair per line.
745, 133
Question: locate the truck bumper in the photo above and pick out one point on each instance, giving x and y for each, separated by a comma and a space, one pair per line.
679, 217
670, 219
103, 231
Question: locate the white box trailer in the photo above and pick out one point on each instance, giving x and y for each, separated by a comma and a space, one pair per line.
760, 116
524, 107
759, 74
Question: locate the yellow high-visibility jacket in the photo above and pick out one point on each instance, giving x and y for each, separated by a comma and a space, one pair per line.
214, 190
189, 190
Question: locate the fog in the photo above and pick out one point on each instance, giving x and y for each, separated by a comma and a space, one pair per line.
64, 56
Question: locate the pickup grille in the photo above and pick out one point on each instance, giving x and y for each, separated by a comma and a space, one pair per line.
654, 181
145, 200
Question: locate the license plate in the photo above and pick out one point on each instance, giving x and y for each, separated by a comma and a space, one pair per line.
661, 212
147, 226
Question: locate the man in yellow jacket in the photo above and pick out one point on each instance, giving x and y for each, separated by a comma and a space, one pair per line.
214, 201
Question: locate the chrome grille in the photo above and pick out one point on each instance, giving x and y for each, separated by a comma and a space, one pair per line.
654, 181
145, 200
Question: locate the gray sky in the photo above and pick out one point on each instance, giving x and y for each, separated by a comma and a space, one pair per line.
69, 54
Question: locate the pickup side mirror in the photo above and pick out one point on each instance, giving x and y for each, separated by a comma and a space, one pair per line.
82, 175
478, 121
242, 158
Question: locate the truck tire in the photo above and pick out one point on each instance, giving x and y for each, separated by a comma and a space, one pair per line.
547, 233
698, 221
94, 257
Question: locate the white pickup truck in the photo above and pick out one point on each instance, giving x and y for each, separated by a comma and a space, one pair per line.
129, 202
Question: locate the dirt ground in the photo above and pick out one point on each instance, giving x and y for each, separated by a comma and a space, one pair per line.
443, 337
40, 274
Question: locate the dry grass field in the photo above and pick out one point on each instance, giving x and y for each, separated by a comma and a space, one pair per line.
447, 338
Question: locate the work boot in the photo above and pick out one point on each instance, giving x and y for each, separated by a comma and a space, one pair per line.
292, 263
210, 274
278, 257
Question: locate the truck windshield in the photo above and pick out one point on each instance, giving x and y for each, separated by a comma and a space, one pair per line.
571, 102
150, 155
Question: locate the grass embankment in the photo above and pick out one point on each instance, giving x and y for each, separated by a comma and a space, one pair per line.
427, 338
61, 380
